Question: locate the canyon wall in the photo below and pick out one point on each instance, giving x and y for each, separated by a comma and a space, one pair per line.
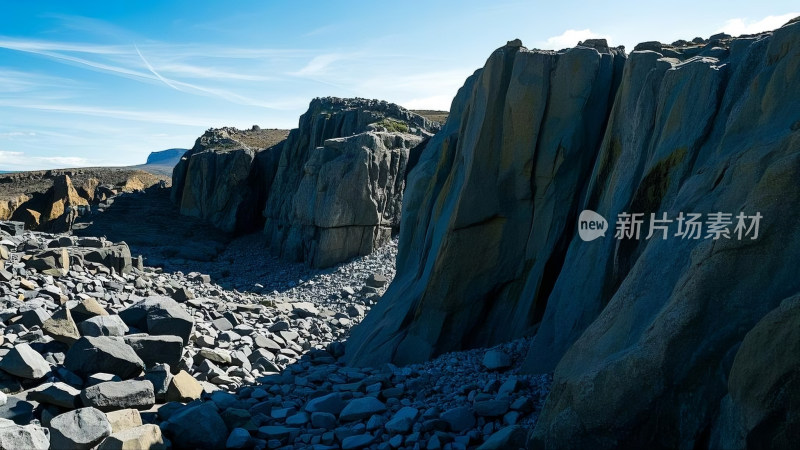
645, 335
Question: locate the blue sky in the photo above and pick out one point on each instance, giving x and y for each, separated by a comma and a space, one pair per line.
106, 83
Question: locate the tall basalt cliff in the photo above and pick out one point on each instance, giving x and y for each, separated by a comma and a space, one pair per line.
645, 335
490, 206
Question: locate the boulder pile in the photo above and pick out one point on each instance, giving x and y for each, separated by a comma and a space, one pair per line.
98, 350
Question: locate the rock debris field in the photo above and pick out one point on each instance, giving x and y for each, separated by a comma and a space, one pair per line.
99, 351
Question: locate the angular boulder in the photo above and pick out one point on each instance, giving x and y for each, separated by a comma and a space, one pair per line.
90, 355
160, 316
28, 437
198, 426
58, 394
183, 388
61, 327
115, 395
80, 429
24, 362
157, 349
143, 437
110, 325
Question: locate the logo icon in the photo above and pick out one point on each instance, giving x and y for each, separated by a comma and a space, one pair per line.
591, 225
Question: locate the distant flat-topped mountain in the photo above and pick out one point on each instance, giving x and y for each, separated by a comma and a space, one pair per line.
166, 157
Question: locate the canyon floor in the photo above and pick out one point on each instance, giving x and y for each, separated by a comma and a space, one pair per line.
223, 346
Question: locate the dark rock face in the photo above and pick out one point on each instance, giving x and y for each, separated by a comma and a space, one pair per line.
348, 201
642, 333
329, 192
211, 180
468, 213
340, 180
722, 139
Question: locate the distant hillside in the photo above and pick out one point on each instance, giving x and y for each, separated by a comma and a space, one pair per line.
166, 157
162, 162
434, 115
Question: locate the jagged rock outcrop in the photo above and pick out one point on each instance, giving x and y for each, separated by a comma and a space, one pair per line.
340, 180
490, 202
52, 200
54, 210
218, 181
330, 192
642, 333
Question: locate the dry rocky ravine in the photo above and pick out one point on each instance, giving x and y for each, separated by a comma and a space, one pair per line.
100, 351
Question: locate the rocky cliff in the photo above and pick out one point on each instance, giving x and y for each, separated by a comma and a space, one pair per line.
225, 175
653, 341
489, 206
329, 192
50, 200
340, 180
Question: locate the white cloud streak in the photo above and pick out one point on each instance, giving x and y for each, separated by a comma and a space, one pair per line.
21, 161
740, 26
569, 38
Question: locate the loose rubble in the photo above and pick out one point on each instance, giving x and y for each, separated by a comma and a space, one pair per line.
101, 351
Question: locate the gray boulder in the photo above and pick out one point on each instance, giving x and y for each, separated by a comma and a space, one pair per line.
28, 437
197, 427
115, 395
80, 429
361, 408
90, 355
157, 349
58, 394
17, 410
161, 316
24, 362
111, 325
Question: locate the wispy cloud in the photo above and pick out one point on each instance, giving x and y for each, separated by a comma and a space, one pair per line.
318, 65
138, 115
21, 161
569, 38
213, 73
129, 62
325, 29
14, 134
153, 71
740, 26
